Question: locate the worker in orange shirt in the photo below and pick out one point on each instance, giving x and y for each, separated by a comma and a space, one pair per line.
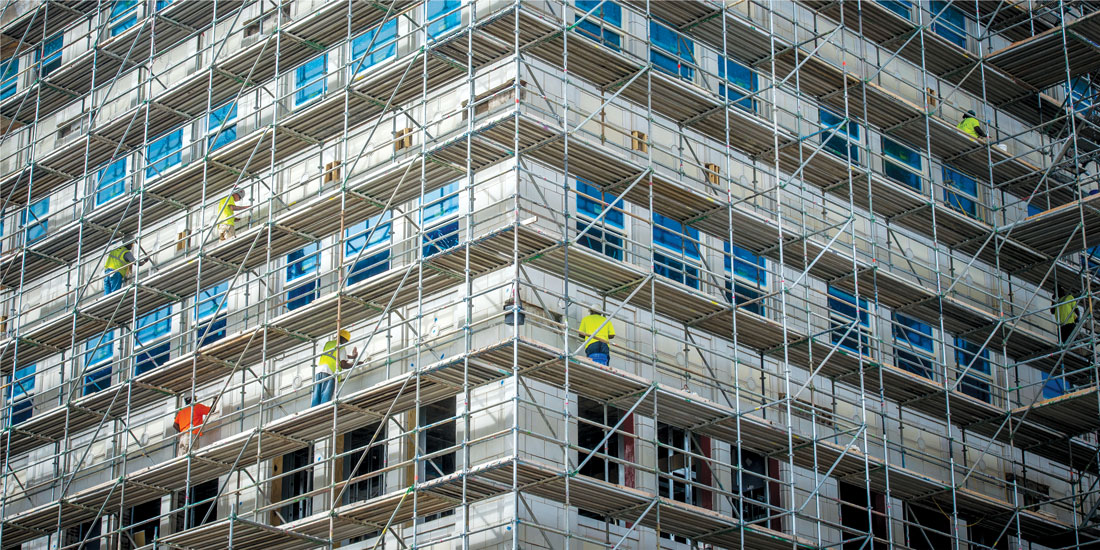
189, 425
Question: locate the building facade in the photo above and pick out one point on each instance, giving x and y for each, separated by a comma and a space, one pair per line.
842, 316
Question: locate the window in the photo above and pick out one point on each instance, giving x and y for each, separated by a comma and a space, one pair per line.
309, 80
442, 16
844, 142
901, 164
97, 362
974, 359
913, 346
382, 47
440, 434
123, 16
746, 277
672, 52
211, 304
1080, 92
164, 153
674, 463
144, 521
205, 504
439, 218
9, 73
373, 238
589, 436
221, 126
110, 181
960, 192
161, 4
605, 236
85, 536
679, 252
22, 388
900, 7
844, 310
858, 514
743, 80
1091, 260
373, 460
299, 264
602, 24
34, 220
951, 23
297, 480
752, 486
151, 340
1053, 387
926, 529
48, 55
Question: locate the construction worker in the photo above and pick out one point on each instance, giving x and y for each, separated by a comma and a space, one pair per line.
972, 126
597, 348
117, 267
1066, 311
227, 219
331, 367
189, 423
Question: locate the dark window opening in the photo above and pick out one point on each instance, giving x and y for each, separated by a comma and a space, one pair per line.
590, 436
927, 529
205, 505
442, 434
861, 517
752, 485
296, 483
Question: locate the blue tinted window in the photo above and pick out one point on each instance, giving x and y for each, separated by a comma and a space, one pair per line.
600, 238
442, 16
1052, 387
34, 220
745, 264
309, 80
48, 55
960, 192
600, 24
21, 411
211, 301
161, 4
901, 163
149, 340
671, 53
590, 202
375, 259
844, 310
9, 71
164, 153
439, 204
974, 359
97, 362
382, 47
153, 326
845, 138
913, 345
219, 134
123, 16
951, 23
440, 238
1080, 91
111, 181
900, 7
671, 236
743, 80
23, 381
302, 262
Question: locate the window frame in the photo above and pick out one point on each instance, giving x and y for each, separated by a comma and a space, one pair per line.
914, 345
384, 47
839, 320
128, 11
957, 197
741, 284
979, 377
677, 258
169, 147
221, 126
48, 55
847, 132
301, 264
153, 348
111, 180
743, 98
9, 77
608, 235
669, 60
311, 80
603, 26
99, 352
375, 259
38, 228
440, 228
441, 21
911, 169
947, 25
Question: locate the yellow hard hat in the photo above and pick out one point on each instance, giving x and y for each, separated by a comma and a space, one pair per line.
345, 334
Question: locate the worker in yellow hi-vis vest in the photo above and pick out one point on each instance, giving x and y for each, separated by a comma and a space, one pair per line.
972, 126
117, 268
1066, 312
332, 362
227, 215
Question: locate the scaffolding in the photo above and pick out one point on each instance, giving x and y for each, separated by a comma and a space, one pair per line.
841, 320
